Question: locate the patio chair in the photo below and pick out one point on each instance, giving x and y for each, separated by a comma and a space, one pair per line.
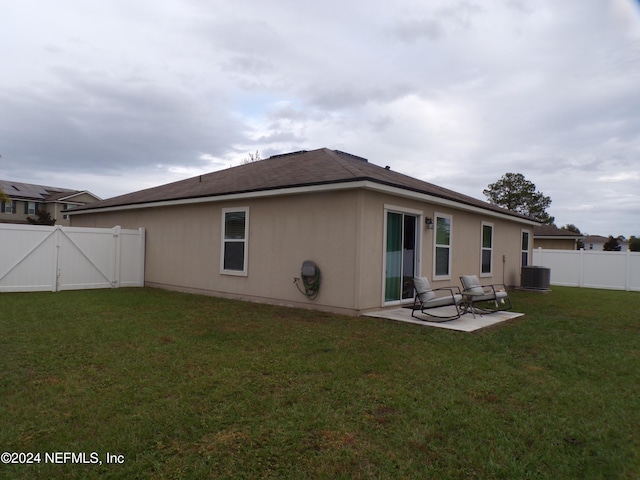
494, 298
434, 298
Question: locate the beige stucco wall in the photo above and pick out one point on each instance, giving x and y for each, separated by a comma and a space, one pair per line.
19, 216
183, 247
342, 231
16, 217
55, 209
81, 198
465, 250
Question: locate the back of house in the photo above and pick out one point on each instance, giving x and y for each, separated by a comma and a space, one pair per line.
244, 232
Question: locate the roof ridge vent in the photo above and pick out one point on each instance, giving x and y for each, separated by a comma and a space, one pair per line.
340, 152
287, 154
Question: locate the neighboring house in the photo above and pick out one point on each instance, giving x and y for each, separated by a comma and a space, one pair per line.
26, 199
244, 232
596, 242
550, 237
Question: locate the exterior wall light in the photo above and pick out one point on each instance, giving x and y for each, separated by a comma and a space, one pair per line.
429, 222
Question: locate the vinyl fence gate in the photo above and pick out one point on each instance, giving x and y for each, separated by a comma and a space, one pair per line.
43, 258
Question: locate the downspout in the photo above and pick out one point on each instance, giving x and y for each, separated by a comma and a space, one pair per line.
504, 266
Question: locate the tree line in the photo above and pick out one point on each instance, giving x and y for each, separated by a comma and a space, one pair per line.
514, 192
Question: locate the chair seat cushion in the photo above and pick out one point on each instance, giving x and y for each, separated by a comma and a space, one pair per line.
443, 301
490, 296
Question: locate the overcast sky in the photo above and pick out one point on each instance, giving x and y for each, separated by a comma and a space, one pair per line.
113, 96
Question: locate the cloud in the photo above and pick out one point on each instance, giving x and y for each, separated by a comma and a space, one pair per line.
102, 124
437, 24
123, 95
620, 177
413, 30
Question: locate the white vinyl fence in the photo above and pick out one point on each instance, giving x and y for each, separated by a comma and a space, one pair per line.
43, 258
591, 269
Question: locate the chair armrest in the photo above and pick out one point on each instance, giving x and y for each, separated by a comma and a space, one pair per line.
451, 289
496, 287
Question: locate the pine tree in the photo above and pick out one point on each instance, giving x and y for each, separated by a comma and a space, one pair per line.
519, 195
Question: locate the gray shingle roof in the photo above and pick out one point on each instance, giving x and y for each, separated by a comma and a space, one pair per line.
298, 169
551, 231
32, 192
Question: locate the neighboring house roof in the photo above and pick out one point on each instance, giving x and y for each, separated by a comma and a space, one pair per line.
549, 232
292, 173
38, 193
59, 196
595, 239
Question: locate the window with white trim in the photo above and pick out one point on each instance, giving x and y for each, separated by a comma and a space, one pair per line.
525, 248
442, 247
487, 249
235, 239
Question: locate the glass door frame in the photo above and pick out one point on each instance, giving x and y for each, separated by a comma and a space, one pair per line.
419, 219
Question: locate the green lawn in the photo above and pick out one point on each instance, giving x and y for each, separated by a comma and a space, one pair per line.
186, 386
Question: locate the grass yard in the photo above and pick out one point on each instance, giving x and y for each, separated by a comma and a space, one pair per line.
183, 386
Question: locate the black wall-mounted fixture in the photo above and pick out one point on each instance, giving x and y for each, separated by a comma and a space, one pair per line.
429, 223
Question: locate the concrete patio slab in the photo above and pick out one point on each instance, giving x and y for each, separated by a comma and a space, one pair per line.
466, 323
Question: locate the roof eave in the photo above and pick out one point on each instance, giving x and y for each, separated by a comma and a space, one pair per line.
75, 194
556, 237
416, 195
293, 190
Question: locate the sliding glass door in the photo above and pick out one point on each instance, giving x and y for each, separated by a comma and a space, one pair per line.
401, 255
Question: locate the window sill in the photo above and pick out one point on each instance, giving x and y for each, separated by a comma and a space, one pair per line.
234, 273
